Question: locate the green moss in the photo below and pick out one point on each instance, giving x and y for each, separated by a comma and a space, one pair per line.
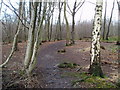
21, 72
110, 39
97, 82
118, 83
100, 82
67, 65
95, 69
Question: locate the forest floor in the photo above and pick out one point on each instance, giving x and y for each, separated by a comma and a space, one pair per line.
48, 74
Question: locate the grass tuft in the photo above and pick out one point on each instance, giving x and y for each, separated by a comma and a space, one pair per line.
68, 65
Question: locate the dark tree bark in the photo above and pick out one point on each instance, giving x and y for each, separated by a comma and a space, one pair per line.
107, 34
104, 25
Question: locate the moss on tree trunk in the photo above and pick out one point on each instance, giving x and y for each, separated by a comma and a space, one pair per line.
96, 70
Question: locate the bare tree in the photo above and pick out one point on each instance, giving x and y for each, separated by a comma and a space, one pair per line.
15, 37
104, 25
49, 14
51, 27
73, 13
95, 63
59, 21
67, 26
36, 43
31, 52
107, 34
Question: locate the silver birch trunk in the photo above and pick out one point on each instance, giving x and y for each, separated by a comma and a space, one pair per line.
95, 67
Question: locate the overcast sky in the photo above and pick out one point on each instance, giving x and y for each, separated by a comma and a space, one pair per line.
86, 12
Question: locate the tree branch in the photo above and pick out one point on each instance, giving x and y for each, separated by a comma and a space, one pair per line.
91, 2
118, 4
16, 15
80, 6
1, 6
69, 9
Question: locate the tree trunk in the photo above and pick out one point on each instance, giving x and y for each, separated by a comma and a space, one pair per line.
51, 28
73, 24
59, 21
15, 37
73, 28
30, 5
30, 43
118, 23
104, 25
95, 65
33, 58
107, 35
24, 18
67, 26
19, 24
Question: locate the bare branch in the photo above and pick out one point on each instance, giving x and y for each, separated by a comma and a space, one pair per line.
69, 9
16, 15
80, 6
91, 2
1, 6
118, 2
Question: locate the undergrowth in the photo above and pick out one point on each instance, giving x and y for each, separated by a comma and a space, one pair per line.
97, 82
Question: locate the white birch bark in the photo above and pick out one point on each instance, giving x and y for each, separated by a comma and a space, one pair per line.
95, 48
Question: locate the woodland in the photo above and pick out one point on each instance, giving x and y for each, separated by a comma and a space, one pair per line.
47, 44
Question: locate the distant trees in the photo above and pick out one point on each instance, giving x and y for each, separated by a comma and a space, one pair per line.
95, 62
